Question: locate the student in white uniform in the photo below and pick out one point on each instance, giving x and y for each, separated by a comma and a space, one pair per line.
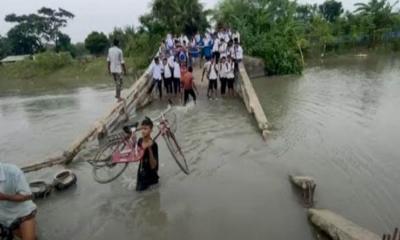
167, 75
211, 69
155, 71
169, 42
223, 75
223, 47
116, 66
236, 35
237, 55
177, 77
230, 76
215, 50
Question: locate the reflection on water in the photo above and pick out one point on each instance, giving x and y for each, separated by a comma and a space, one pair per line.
339, 122
34, 126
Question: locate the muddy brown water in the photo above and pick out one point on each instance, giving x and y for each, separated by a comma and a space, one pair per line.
338, 122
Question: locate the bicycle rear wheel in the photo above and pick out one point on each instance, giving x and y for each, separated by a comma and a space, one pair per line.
104, 170
176, 152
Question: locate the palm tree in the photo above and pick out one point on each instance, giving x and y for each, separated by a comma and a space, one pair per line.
378, 16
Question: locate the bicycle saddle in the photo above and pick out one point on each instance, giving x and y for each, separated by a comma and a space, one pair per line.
127, 128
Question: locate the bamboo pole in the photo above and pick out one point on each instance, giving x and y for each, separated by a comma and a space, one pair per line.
136, 96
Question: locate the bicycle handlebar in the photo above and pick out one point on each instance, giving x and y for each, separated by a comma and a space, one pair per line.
163, 113
136, 126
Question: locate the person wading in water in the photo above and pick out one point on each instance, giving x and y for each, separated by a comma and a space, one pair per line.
147, 172
188, 86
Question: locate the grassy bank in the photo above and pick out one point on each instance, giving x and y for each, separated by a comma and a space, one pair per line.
30, 76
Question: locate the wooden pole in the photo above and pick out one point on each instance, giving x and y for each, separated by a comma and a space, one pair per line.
136, 96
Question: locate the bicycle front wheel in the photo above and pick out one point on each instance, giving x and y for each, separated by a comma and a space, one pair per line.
104, 170
176, 152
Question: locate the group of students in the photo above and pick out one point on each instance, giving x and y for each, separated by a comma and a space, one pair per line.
173, 66
174, 76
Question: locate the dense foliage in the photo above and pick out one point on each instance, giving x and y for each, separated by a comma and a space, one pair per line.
96, 43
283, 31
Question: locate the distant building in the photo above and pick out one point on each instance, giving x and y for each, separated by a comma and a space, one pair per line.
16, 58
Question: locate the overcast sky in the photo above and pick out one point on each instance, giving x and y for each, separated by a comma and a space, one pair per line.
99, 15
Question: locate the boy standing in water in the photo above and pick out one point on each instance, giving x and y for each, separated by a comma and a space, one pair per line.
189, 86
147, 174
115, 65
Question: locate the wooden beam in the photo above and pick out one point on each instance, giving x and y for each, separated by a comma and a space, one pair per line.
136, 97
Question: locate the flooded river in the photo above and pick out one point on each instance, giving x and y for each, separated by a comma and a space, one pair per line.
338, 122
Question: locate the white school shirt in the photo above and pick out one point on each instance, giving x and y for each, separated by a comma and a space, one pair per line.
184, 38
211, 68
238, 53
236, 35
227, 37
230, 73
170, 43
222, 49
223, 70
12, 182
171, 61
177, 70
216, 45
116, 59
220, 35
156, 71
231, 52
167, 71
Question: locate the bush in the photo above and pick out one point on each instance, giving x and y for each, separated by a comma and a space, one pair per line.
50, 61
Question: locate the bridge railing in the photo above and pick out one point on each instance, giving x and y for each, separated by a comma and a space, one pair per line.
249, 96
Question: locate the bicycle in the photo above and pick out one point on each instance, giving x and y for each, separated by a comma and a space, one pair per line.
113, 158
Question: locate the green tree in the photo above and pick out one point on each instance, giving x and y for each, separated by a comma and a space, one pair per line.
269, 30
122, 34
331, 10
23, 39
321, 34
96, 43
377, 17
64, 43
53, 21
4, 47
176, 16
306, 12
45, 25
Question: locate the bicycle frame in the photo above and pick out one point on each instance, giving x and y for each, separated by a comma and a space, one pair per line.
163, 124
131, 152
